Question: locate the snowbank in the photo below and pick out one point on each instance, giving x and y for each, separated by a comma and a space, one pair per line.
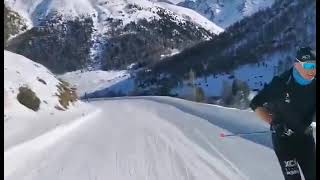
22, 123
144, 140
20, 71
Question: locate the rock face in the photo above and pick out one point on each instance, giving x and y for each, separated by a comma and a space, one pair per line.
105, 34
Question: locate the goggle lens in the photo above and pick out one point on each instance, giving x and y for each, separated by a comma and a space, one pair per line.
309, 66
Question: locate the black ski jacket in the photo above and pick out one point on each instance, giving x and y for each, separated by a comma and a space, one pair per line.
289, 102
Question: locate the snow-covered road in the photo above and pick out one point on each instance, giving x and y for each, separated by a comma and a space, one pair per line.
147, 138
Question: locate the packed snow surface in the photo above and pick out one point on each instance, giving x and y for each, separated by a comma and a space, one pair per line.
147, 138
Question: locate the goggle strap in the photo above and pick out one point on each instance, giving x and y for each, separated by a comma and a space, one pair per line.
305, 62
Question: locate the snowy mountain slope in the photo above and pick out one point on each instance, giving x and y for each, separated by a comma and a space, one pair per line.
254, 75
111, 30
226, 12
253, 50
101, 83
20, 71
170, 1
192, 16
14, 24
22, 123
169, 144
101, 9
35, 10
90, 81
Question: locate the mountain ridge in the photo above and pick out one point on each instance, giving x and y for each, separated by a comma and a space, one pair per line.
106, 26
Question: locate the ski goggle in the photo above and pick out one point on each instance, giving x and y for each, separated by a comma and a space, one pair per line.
308, 65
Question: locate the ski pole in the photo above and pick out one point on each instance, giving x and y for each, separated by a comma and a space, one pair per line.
246, 133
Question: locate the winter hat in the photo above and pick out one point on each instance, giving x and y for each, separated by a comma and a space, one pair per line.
306, 54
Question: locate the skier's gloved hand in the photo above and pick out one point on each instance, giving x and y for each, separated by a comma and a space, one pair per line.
287, 131
291, 118
280, 129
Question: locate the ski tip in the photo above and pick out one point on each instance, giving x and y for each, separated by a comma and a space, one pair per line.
222, 135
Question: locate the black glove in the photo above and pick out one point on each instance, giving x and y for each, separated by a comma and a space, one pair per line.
290, 118
281, 130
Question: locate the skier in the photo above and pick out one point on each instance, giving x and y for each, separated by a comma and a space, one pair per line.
288, 104
86, 97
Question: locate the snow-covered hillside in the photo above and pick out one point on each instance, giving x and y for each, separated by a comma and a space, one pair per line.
148, 138
102, 82
19, 72
108, 29
22, 123
225, 12
14, 24
101, 10
254, 75
243, 52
